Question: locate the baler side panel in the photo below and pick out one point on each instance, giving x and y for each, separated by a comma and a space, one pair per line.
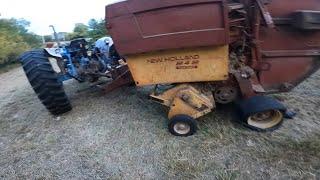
145, 26
293, 54
178, 66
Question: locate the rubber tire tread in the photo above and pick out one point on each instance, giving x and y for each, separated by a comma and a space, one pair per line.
44, 81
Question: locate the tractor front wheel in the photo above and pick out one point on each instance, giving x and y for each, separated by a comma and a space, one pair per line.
45, 82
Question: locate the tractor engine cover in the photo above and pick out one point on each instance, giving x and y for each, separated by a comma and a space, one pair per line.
139, 26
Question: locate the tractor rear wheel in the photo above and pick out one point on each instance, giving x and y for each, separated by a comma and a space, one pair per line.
261, 113
45, 82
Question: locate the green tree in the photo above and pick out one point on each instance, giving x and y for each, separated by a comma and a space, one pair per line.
48, 38
97, 29
94, 30
15, 39
80, 31
33, 40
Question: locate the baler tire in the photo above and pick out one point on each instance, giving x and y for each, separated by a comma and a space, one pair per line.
253, 106
44, 81
182, 119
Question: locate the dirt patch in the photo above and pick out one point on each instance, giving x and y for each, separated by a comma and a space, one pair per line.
123, 135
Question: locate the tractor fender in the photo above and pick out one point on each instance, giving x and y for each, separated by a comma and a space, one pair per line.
54, 52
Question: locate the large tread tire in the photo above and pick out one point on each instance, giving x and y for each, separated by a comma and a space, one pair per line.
44, 81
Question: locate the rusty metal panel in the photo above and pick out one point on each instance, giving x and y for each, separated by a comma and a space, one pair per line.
286, 36
293, 54
287, 72
142, 25
177, 66
285, 8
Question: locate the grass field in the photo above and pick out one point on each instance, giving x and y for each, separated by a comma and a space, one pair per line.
123, 135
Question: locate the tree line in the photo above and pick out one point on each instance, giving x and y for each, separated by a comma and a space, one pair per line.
95, 29
16, 39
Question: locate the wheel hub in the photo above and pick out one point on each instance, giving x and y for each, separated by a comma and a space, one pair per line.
182, 128
265, 120
225, 95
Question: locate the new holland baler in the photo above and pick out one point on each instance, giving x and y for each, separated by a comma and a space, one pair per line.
197, 53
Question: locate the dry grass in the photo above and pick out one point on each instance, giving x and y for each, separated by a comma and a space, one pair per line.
7, 68
123, 135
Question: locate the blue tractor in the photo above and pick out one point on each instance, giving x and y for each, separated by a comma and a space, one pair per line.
79, 60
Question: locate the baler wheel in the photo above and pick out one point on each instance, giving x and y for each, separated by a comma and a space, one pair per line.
45, 82
265, 120
182, 125
261, 113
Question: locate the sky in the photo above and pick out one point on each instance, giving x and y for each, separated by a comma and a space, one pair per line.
63, 14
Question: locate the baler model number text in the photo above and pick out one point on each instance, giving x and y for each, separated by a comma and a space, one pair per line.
182, 62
